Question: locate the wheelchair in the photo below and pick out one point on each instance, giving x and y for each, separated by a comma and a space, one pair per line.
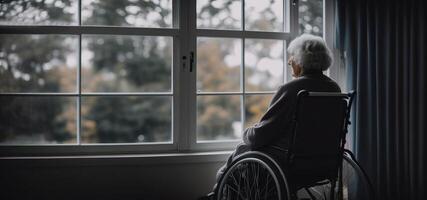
325, 170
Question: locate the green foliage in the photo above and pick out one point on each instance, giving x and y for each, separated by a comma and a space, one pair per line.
122, 119
33, 116
311, 20
130, 119
139, 56
26, 66
25, 61
113, 12
37, 12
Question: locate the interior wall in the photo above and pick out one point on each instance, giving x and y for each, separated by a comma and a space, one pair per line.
130, 178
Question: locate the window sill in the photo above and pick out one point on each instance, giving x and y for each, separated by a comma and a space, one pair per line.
117, 160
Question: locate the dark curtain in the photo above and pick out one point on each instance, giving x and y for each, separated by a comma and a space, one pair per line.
383, 43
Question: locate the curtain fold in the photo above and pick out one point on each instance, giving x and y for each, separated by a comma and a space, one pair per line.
384, 46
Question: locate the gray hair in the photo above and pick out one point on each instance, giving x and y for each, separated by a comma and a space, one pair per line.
311, 52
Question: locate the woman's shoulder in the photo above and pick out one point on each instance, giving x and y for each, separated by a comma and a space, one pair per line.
290, 86
314, 83
294, 83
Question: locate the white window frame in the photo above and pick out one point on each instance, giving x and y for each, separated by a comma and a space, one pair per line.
184, 92
289, 11
80, 30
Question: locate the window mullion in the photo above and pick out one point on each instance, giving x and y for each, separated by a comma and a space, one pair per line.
192, 76
294, 18
243, 85
79, 82
294, 30
175, 83
183, 119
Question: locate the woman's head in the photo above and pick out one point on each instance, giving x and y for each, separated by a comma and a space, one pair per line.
309, 53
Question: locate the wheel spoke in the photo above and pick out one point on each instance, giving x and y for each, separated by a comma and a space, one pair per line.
249, 180
266, 186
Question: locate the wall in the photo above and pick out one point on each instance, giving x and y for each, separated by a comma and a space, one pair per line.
121, 177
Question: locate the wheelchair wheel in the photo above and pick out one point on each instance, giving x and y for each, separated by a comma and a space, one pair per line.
253, 175
355, 185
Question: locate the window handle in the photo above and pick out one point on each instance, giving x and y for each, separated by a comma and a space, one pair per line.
191, 61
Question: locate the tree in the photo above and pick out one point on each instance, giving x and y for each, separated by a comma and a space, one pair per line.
216, 114
311, 17
136, 64
35, 63
38, 12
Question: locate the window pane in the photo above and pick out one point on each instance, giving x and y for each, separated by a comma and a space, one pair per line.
263, 64
264, 15
218, 64
131, 119
38, 63
219, 14
126, 63
37, 120
255, 107
152, 14
218, 117
37, 12
311, 17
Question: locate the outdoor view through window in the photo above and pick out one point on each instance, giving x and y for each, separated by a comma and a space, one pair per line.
60, 87
237, 77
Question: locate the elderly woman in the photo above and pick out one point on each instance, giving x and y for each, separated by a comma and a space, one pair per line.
309, 57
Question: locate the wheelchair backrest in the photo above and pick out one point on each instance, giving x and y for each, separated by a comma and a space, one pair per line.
319, 122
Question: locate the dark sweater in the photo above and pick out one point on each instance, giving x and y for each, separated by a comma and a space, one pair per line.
275, 126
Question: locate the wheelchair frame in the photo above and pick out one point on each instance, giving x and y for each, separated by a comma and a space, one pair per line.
251, 159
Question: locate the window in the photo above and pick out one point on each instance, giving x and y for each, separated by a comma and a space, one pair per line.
141, 76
